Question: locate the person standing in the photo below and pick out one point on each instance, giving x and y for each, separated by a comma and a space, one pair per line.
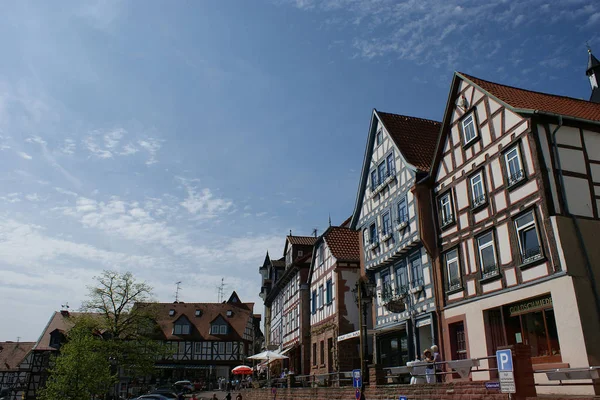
437, 359
429, 372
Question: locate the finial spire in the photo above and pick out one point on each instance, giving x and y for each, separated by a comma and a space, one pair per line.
330, 219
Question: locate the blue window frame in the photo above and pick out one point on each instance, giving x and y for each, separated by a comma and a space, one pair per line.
314, 302
386, 286
387, 223
402, 211
373, 179
391, 166
373, 237
401, 277
381, 172
416, 269
328, 292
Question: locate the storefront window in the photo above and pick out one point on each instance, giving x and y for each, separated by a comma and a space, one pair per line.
532, 323
393, 349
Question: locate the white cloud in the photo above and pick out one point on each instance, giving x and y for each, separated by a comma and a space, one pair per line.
68, 147
24, 155
65, 191
152, 146
203, 203
14, 197
109, 144
33, 197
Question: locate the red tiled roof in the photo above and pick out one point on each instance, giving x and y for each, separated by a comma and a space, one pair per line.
415, 137
201, 324
302, 240
530, 100
60, 321
13, 353
344, 243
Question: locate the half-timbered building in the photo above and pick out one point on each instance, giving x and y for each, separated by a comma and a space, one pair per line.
388, 212
13, 370
334, 272
288, 300
516, 180
207, 339
270, 271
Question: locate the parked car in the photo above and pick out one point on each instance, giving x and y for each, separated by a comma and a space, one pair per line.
152, 397
166, 392
183, 386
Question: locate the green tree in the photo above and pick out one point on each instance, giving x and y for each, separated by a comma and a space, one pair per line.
126, 319
83, 370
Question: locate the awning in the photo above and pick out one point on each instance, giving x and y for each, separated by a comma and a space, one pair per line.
287, 349
353, 335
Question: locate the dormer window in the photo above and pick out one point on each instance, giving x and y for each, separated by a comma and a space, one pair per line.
214, 330
469, 129
219, 328
181, 329
223, 329
198, 313
229, 313
171, 312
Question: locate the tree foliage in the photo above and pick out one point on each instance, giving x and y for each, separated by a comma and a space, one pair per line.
82, 371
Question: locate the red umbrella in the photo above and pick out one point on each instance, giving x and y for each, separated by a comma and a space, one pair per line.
242, 370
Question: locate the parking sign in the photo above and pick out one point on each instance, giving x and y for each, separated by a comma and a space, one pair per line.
505, 371
356, 378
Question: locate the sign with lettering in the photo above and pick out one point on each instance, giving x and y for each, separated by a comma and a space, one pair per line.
347, 336
492, 385
530, 305
505, 371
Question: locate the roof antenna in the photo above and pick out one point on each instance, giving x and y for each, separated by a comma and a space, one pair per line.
330, 220
314, 232
221, 290
587, 44
177, 291
65, 306
290, 232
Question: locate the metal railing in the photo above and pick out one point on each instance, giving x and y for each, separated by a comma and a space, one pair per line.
559, 375
332, 379
516, 177
435, 372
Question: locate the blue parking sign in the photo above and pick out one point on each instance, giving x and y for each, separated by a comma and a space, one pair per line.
504, 360
356, 378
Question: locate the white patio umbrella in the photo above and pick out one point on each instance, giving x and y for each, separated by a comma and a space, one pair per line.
269, 356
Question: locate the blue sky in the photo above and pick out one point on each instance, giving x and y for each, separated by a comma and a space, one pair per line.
181, 140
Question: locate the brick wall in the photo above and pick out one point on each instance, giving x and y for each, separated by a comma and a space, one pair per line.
447, 391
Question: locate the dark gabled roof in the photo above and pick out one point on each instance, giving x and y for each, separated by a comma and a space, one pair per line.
278, 263
592, 62
302, 240
62, 321
527, 100
13, 353
201, 324
415, 137
344, 243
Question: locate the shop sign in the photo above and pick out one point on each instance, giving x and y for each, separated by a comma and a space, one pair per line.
530, 305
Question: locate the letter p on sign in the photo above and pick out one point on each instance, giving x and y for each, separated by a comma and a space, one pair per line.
504, 360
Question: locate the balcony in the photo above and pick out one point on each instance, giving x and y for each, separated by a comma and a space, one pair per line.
373, 244
386, 235
401, 223
531, 254
516, 178
383, 181
393, 299
448, 220
478, 201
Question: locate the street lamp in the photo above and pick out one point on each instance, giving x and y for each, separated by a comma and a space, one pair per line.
363, 292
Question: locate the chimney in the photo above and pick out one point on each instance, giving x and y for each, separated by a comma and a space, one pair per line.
64, 313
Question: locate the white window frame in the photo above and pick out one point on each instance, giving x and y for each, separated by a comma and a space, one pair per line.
320, 298
214, 329
171, 312
511, 179
450, 261
477, 180
449, 218
198, 313
469, 121
526, 227
480, 248
223, 330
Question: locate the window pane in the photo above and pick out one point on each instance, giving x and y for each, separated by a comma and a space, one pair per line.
373, 179
386, 223
402, 212
390, 163
381, 172
417, 271
453, 269
373, 233
552, 332
524, 220
530, 243
401, 278
535, 333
